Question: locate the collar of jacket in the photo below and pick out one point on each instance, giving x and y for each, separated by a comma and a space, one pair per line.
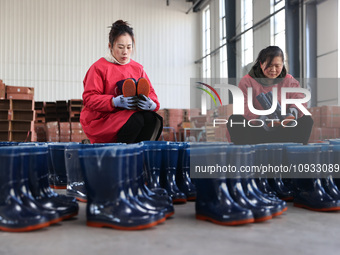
113, 60
257, 74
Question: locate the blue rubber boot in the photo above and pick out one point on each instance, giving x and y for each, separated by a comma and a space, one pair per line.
288, 182
309, 191
249, 156
22, 190
275, 207
183, 173
129, 165
335, 159
75, 178
275, 158
261, 158
272, 200
162, 199
51, 172
108, 204
238, 156
127, 87
330, 187
14, 215
328, 154
152, 153
161, 196
213, 201
58, 164
214, 204
137, 183
39, 188
168, 173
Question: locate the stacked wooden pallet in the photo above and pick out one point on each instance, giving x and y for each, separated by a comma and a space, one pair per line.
16, 120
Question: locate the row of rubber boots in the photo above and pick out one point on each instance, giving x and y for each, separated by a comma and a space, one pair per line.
223, 201
235, 200
26, 200
158, 170
230, 199
117, 196
314, 191
244, 200
165, 169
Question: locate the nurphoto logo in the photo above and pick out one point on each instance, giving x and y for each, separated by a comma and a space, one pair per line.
239, 102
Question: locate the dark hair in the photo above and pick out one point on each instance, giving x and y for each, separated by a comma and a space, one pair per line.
268, 54
119, 28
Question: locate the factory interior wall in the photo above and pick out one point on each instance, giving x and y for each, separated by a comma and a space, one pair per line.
49, 45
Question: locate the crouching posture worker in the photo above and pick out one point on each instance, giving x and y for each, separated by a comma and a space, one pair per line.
267, 73
120, 103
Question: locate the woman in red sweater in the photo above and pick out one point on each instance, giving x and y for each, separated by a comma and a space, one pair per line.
267, 73
120, 103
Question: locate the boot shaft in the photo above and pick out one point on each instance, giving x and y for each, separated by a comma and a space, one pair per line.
106, 170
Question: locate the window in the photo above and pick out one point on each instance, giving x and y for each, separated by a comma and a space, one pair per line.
223, 40
278, 25
247, 37
206, 43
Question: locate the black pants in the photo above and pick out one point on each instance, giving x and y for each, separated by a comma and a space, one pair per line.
240, 134
139, 127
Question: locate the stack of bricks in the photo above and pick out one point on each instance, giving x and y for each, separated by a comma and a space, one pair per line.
16, 120
326, 123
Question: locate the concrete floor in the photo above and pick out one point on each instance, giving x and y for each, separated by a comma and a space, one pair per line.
297, 231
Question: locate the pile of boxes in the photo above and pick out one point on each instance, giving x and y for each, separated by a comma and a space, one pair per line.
23, 120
